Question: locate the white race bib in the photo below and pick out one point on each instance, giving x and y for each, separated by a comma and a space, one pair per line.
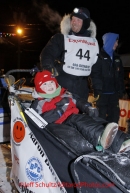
81, 54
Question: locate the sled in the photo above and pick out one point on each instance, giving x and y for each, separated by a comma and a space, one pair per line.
55, 158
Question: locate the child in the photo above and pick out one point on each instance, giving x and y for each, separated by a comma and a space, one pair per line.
57, 105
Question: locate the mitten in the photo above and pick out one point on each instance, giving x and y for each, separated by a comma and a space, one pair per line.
93, 112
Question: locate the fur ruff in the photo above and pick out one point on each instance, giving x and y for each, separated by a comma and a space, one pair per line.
65, 26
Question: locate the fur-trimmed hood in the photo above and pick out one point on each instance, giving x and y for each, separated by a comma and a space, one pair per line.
65, 26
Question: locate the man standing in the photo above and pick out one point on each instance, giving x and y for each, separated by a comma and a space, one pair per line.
72, 52
108, 79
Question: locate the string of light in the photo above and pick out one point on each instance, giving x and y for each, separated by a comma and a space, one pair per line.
2, 34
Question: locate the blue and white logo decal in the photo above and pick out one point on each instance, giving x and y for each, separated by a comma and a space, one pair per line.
34, 169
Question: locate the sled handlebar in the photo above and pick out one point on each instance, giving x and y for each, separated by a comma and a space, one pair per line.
9, 79
17, 70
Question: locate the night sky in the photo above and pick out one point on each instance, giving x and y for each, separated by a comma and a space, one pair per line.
40, 19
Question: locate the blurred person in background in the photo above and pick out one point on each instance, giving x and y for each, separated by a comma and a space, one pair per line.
108, 79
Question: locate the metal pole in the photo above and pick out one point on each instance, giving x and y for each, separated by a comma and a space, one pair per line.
19, 57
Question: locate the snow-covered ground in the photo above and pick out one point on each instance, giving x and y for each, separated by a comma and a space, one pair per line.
6, 184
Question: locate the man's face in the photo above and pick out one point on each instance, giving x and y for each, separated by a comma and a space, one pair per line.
76, 24
115, 45
48, 87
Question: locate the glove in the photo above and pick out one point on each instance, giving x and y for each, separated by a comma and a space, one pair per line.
93, 112
34, 70
82, 105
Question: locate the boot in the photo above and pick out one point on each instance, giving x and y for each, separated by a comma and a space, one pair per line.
125, 146
108, 135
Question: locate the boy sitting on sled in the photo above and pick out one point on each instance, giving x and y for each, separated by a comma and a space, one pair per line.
57, 105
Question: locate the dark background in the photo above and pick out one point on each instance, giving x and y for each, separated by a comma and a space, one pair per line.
40, 19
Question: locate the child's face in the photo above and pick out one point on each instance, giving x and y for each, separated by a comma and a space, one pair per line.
48, 87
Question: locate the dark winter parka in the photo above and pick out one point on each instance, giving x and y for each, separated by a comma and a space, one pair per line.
108, 74
52, 55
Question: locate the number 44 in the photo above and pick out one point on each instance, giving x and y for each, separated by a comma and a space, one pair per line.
86, 55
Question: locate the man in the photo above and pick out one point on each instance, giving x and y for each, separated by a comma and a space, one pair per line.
72, 52
56, 105
108, 79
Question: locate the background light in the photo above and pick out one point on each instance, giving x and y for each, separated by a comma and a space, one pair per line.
19, 31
